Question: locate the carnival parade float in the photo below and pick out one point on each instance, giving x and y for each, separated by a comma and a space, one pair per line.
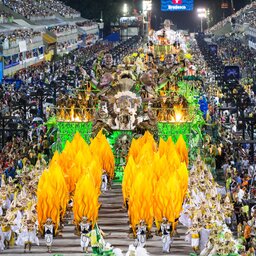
146, 92
139, 123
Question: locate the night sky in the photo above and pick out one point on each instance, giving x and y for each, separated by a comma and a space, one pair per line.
189, 20
112, 9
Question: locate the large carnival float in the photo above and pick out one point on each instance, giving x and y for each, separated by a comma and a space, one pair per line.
154, 89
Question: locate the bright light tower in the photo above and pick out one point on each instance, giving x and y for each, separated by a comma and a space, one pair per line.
202, 14
125, 9
146, 6
147, 9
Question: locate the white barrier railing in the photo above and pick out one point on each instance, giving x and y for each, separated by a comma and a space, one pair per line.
72, 16
38, 18
13, 43
65, 33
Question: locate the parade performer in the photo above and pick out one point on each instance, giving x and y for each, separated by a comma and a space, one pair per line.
5, 201
1, 210
7, 232
139, 209
99, 245
104, 182
27, 236
95, 238
209, 232
166, 35
205, 234
148, 90
108, 63
195, 238
208, 248
141, 234
166, 229
1, 236
85, 209
106, 67
85, 229
17, 222
48, 234
52, 199
152, 37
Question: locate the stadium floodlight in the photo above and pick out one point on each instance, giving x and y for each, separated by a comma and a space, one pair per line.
146, 6
125, 9
202, 14
201, 10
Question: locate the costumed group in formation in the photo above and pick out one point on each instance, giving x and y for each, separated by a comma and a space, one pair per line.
158, 190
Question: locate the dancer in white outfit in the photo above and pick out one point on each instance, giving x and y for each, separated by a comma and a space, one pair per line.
141, 234
85, 229
48, 234
27, 237
166, 229
1, 240
104, 183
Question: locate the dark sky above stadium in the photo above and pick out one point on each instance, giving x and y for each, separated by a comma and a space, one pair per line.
112, 9
189, 20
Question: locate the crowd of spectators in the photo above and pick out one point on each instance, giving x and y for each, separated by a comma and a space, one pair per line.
130, 21
34, 78
18, 150
86, 23
12, 39
234, 52
237, 160
5, 17
62, 9
31, 140
65, 46
239, 171
248, 16
62, 29
38, 9
245, 15
32, 10
68, 74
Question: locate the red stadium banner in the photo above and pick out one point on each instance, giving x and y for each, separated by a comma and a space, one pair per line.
177, 1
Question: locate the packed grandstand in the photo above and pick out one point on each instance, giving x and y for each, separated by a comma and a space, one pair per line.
159, 128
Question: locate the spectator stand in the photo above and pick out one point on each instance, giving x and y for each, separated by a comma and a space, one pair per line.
21, 48
241, 20
234, 94
5, 17
10, 126
61, 9
128, 27
31, 10
251, 37
66, 37
89, 32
